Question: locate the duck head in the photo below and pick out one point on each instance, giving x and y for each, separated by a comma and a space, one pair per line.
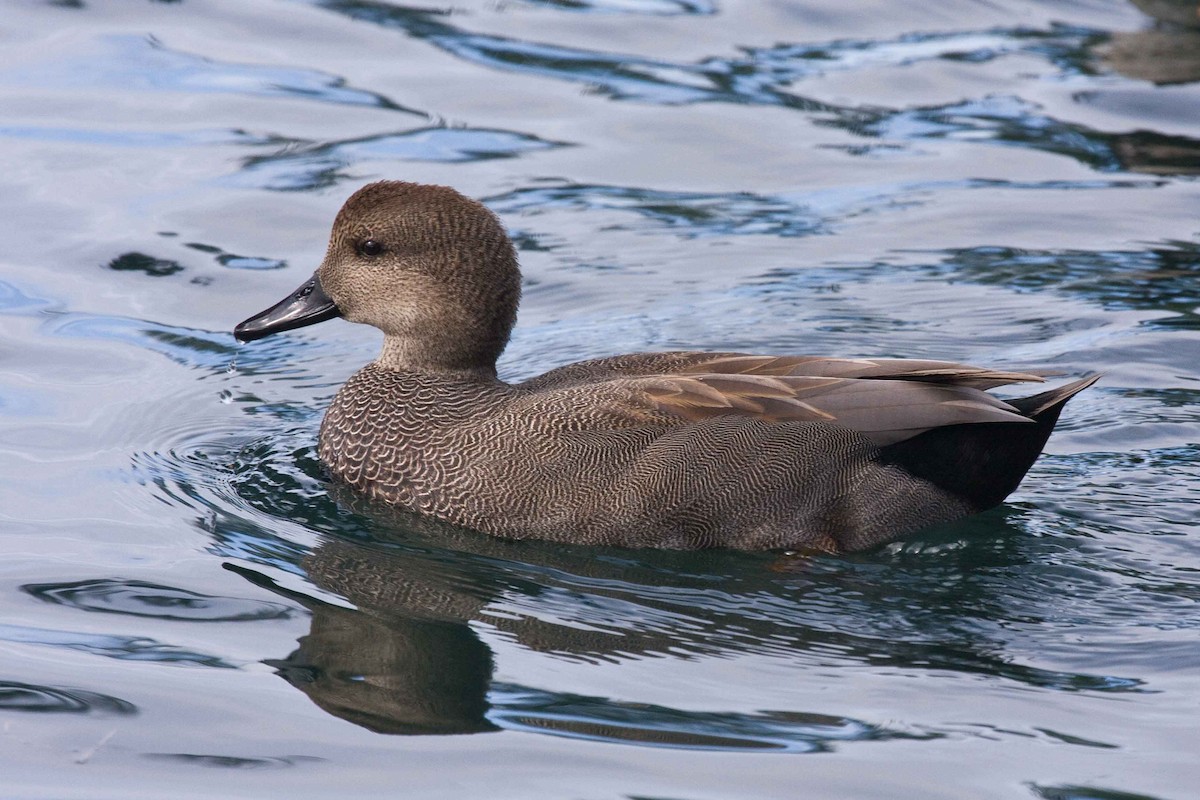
432, 269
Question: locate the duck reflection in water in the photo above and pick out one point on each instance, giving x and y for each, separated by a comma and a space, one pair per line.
407, 659
387, 671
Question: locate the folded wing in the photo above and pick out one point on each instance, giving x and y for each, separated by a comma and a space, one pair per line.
884, 410
888, 400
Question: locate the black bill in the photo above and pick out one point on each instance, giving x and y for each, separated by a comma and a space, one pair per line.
307, 305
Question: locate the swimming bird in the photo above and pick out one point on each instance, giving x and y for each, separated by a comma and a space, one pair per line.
672, 449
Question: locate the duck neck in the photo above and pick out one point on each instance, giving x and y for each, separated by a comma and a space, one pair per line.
402, 354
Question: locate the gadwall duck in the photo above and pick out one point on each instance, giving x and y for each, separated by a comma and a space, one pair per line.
677, 449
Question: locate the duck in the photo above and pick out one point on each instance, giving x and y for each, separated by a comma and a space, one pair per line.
679, 449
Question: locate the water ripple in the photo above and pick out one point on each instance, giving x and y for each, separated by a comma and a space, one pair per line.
232, 261
149, 265
56, 700
601, 719
145, 63
232, 762
663, 8
134, 138
124, 648
208, 351
1011, 121
141, 599
13, 300
693, 214
1149, 491
768, 76
760, 76
1161, 278
1080, 792
302, 165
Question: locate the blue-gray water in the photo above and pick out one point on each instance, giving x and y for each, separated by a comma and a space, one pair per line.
186, 612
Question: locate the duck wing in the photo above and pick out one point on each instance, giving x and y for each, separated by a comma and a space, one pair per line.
888, 400
885, 411
697, 363
948, 373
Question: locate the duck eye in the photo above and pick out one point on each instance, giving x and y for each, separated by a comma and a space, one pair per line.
370, 247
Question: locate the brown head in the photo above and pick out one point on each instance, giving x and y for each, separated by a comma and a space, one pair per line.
432, 269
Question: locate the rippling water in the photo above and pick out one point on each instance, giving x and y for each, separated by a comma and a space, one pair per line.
190, 611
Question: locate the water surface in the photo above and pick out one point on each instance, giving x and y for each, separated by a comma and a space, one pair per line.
189, 610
